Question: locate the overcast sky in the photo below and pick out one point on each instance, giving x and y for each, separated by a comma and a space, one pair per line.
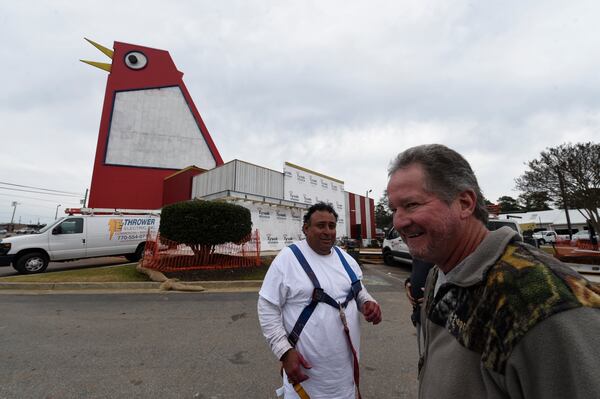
339, 87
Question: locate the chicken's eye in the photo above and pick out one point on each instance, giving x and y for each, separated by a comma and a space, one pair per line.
135, 60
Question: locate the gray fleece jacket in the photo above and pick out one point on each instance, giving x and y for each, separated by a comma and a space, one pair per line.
510, 322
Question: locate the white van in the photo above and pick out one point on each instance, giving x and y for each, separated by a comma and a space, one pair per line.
394, 249
76, 237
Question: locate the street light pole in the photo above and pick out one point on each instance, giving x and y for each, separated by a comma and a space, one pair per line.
56, 214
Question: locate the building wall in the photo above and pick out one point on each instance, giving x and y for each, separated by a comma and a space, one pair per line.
178, 186
257, 180
241, 177
309, 187
361, 212
214, 181
278, 226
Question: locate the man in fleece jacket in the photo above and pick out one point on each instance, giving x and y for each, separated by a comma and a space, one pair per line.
501, 319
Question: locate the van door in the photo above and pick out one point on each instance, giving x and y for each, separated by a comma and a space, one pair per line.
67, 239
105, 236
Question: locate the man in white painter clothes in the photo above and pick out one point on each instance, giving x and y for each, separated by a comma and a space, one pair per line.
322, 359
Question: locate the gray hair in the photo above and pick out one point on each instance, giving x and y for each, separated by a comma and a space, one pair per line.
447, 173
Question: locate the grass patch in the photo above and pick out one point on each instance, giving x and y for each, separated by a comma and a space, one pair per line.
127, 273
108, 274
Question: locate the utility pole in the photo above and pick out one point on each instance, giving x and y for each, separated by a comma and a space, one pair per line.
84, 198
12, 219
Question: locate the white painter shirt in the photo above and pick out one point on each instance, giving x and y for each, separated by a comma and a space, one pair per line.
322, 342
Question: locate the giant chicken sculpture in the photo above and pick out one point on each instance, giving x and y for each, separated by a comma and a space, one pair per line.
150, 128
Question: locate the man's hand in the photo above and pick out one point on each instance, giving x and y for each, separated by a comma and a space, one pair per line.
411, 299
293, 363
372, 312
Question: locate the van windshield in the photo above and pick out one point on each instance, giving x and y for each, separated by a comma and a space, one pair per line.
51, 225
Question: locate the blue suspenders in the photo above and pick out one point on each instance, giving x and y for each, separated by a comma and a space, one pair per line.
318, 294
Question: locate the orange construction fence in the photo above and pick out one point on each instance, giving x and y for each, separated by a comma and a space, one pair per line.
166, 255
581, 251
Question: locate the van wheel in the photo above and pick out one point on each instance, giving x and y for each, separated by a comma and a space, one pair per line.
541, 241
33, 262
137, 255
388, 259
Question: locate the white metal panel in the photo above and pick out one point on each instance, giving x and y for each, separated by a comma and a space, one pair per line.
347, 213
359, 218
368, 218
253, 179
214, 181
156, 128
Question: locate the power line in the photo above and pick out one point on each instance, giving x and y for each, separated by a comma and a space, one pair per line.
39, 188
37, 199
41, 192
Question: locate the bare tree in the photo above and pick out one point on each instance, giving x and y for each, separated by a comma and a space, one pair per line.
570, 174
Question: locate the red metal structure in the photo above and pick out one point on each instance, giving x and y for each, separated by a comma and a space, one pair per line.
150, 129
178, 186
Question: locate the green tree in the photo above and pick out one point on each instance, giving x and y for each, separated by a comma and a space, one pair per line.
383, 214
509, 204
535, 201
204, 224
570, 174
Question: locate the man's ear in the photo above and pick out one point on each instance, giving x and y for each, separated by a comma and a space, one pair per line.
304, 226
467, 201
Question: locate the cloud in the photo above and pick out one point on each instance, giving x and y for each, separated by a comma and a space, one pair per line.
337, 87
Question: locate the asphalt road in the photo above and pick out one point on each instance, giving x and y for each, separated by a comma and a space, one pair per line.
178, 345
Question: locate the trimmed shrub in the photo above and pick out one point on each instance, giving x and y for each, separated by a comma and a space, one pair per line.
204, 224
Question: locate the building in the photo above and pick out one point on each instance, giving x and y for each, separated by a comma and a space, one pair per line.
278, 200
151, 132
553, 219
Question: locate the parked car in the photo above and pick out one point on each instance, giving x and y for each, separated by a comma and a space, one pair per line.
581, 235
3, 231
548, 236
395, 249
25, 231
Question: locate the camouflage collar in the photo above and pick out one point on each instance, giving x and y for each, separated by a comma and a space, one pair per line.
474, 267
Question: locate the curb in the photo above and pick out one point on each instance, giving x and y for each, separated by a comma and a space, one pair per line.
150, 285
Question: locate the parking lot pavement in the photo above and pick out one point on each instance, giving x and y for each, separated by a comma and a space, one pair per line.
168, 345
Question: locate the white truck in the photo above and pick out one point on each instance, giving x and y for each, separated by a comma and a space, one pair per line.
546, 236
84, 233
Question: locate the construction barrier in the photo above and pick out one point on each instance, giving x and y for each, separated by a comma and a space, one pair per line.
166, 255
581, 251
